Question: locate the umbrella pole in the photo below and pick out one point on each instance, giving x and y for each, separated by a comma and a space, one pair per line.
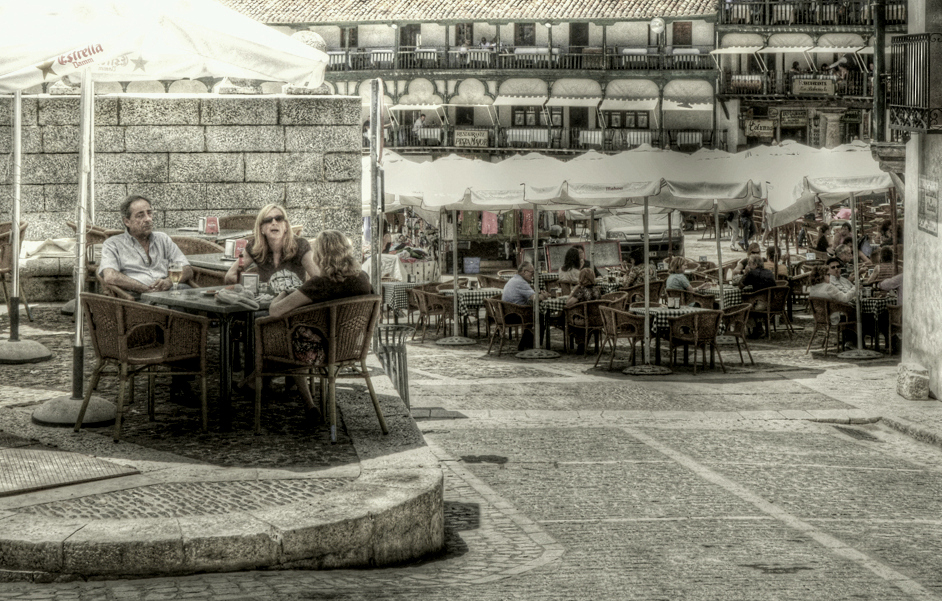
860, 352
719, 253
15, 350
647, 369
537, 352
892, 193
456, 339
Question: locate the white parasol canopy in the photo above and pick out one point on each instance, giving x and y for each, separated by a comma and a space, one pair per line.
130, 40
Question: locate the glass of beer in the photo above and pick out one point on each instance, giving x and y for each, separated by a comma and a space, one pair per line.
175, 272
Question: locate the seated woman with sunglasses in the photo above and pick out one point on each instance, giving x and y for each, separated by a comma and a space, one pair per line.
281, 259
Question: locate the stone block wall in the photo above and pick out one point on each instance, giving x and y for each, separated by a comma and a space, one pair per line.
192, 155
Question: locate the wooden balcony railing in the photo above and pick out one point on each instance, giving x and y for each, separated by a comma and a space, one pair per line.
807, 12
914, 91
772, 83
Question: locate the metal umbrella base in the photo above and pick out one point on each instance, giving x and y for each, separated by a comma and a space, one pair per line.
537, 353
646, 370
860, 354
23, 351
61, 412
68, 308
455, 341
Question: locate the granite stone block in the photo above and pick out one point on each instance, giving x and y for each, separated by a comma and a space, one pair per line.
226, 198
31, 200
209, 167
63, 197
912, 382
66, 138
170, 197
64, 110
333, 110
50, 168
31, 139
6, 169
324, 194
29, 111
172, 110
332, 138
342, 166
244, 110
283, 167
166, 138
222, 138
184, 217
131, 168
48, 225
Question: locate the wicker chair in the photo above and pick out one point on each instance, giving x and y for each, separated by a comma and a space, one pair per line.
431, 305
345, 325
506, 273
189, 245
620, 324
699, 329
509, 318
140, 338
775, 301
6, 265
895, 314
822, 309
617, 300
94, 235
488, 281
237, 222
566, 287
734, 322
799, 285
584, 318
636, 292
689, 297
462, 283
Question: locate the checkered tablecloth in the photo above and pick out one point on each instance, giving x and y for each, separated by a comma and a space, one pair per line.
396, 294
660, 315
732, 295
873, 305
470, 301
545, 278
553, 305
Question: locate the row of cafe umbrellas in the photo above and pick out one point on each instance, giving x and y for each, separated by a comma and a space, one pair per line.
785, 180
130, 40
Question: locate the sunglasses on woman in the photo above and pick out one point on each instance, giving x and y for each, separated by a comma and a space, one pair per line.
278, 218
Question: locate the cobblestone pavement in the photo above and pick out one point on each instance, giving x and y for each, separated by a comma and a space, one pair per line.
776, 481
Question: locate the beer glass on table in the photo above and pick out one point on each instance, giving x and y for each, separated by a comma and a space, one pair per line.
175, 271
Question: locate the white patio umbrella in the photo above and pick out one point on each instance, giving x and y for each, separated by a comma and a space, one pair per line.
126, 40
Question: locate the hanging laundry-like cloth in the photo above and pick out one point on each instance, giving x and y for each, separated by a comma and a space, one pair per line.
448, 231
488, 223
508, 226
527, 227
469, 225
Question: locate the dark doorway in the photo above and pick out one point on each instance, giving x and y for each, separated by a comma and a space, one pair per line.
683, 34
579, 117
409, 34
524, 34
578, 37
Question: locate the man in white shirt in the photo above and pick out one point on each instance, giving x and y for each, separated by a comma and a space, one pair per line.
419, 124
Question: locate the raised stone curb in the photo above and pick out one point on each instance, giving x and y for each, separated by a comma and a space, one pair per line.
390, 510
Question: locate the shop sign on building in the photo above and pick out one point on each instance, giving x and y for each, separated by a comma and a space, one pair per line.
797, 118
813, 87
471, 138
762, 128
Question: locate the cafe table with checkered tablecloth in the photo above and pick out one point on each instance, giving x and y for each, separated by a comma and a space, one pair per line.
873, 305
396, 294
471, 301
660, 315
732, 295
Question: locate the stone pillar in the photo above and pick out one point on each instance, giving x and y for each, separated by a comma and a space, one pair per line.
830, 130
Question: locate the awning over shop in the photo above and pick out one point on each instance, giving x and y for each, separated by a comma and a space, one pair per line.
521, 100
687, 105
784, 49
415, 107
737, 50
628, 104
587, 101
835, 49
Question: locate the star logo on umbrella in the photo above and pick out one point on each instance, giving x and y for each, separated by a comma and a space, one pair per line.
46, 68
139, 63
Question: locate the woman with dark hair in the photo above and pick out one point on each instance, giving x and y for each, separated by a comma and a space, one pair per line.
884, 270
822, 244
338, 275
572, 263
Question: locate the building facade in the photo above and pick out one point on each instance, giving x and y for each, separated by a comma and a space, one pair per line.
498, 77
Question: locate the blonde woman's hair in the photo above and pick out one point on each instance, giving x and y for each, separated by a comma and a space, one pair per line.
676, 265
260, 248
335, 256
586, 277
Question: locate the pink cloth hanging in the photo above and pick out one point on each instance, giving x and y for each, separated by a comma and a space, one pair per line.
488, 223
527, 227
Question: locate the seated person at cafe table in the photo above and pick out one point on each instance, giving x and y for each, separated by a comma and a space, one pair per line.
845, 253
585, 290
138, 260
677, 280
884, 270
282, 259
740, 268
772, 258
757, 275
573, 263
518, 290
826, 282
836, 277
337, 275
633, 270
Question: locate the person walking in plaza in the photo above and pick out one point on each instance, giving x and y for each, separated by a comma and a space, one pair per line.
519, 291
139, 260
281, 259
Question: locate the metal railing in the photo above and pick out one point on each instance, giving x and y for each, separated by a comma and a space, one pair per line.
913, 91
808, 12
851, 83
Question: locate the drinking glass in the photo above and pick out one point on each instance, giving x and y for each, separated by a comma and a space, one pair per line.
175, 271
